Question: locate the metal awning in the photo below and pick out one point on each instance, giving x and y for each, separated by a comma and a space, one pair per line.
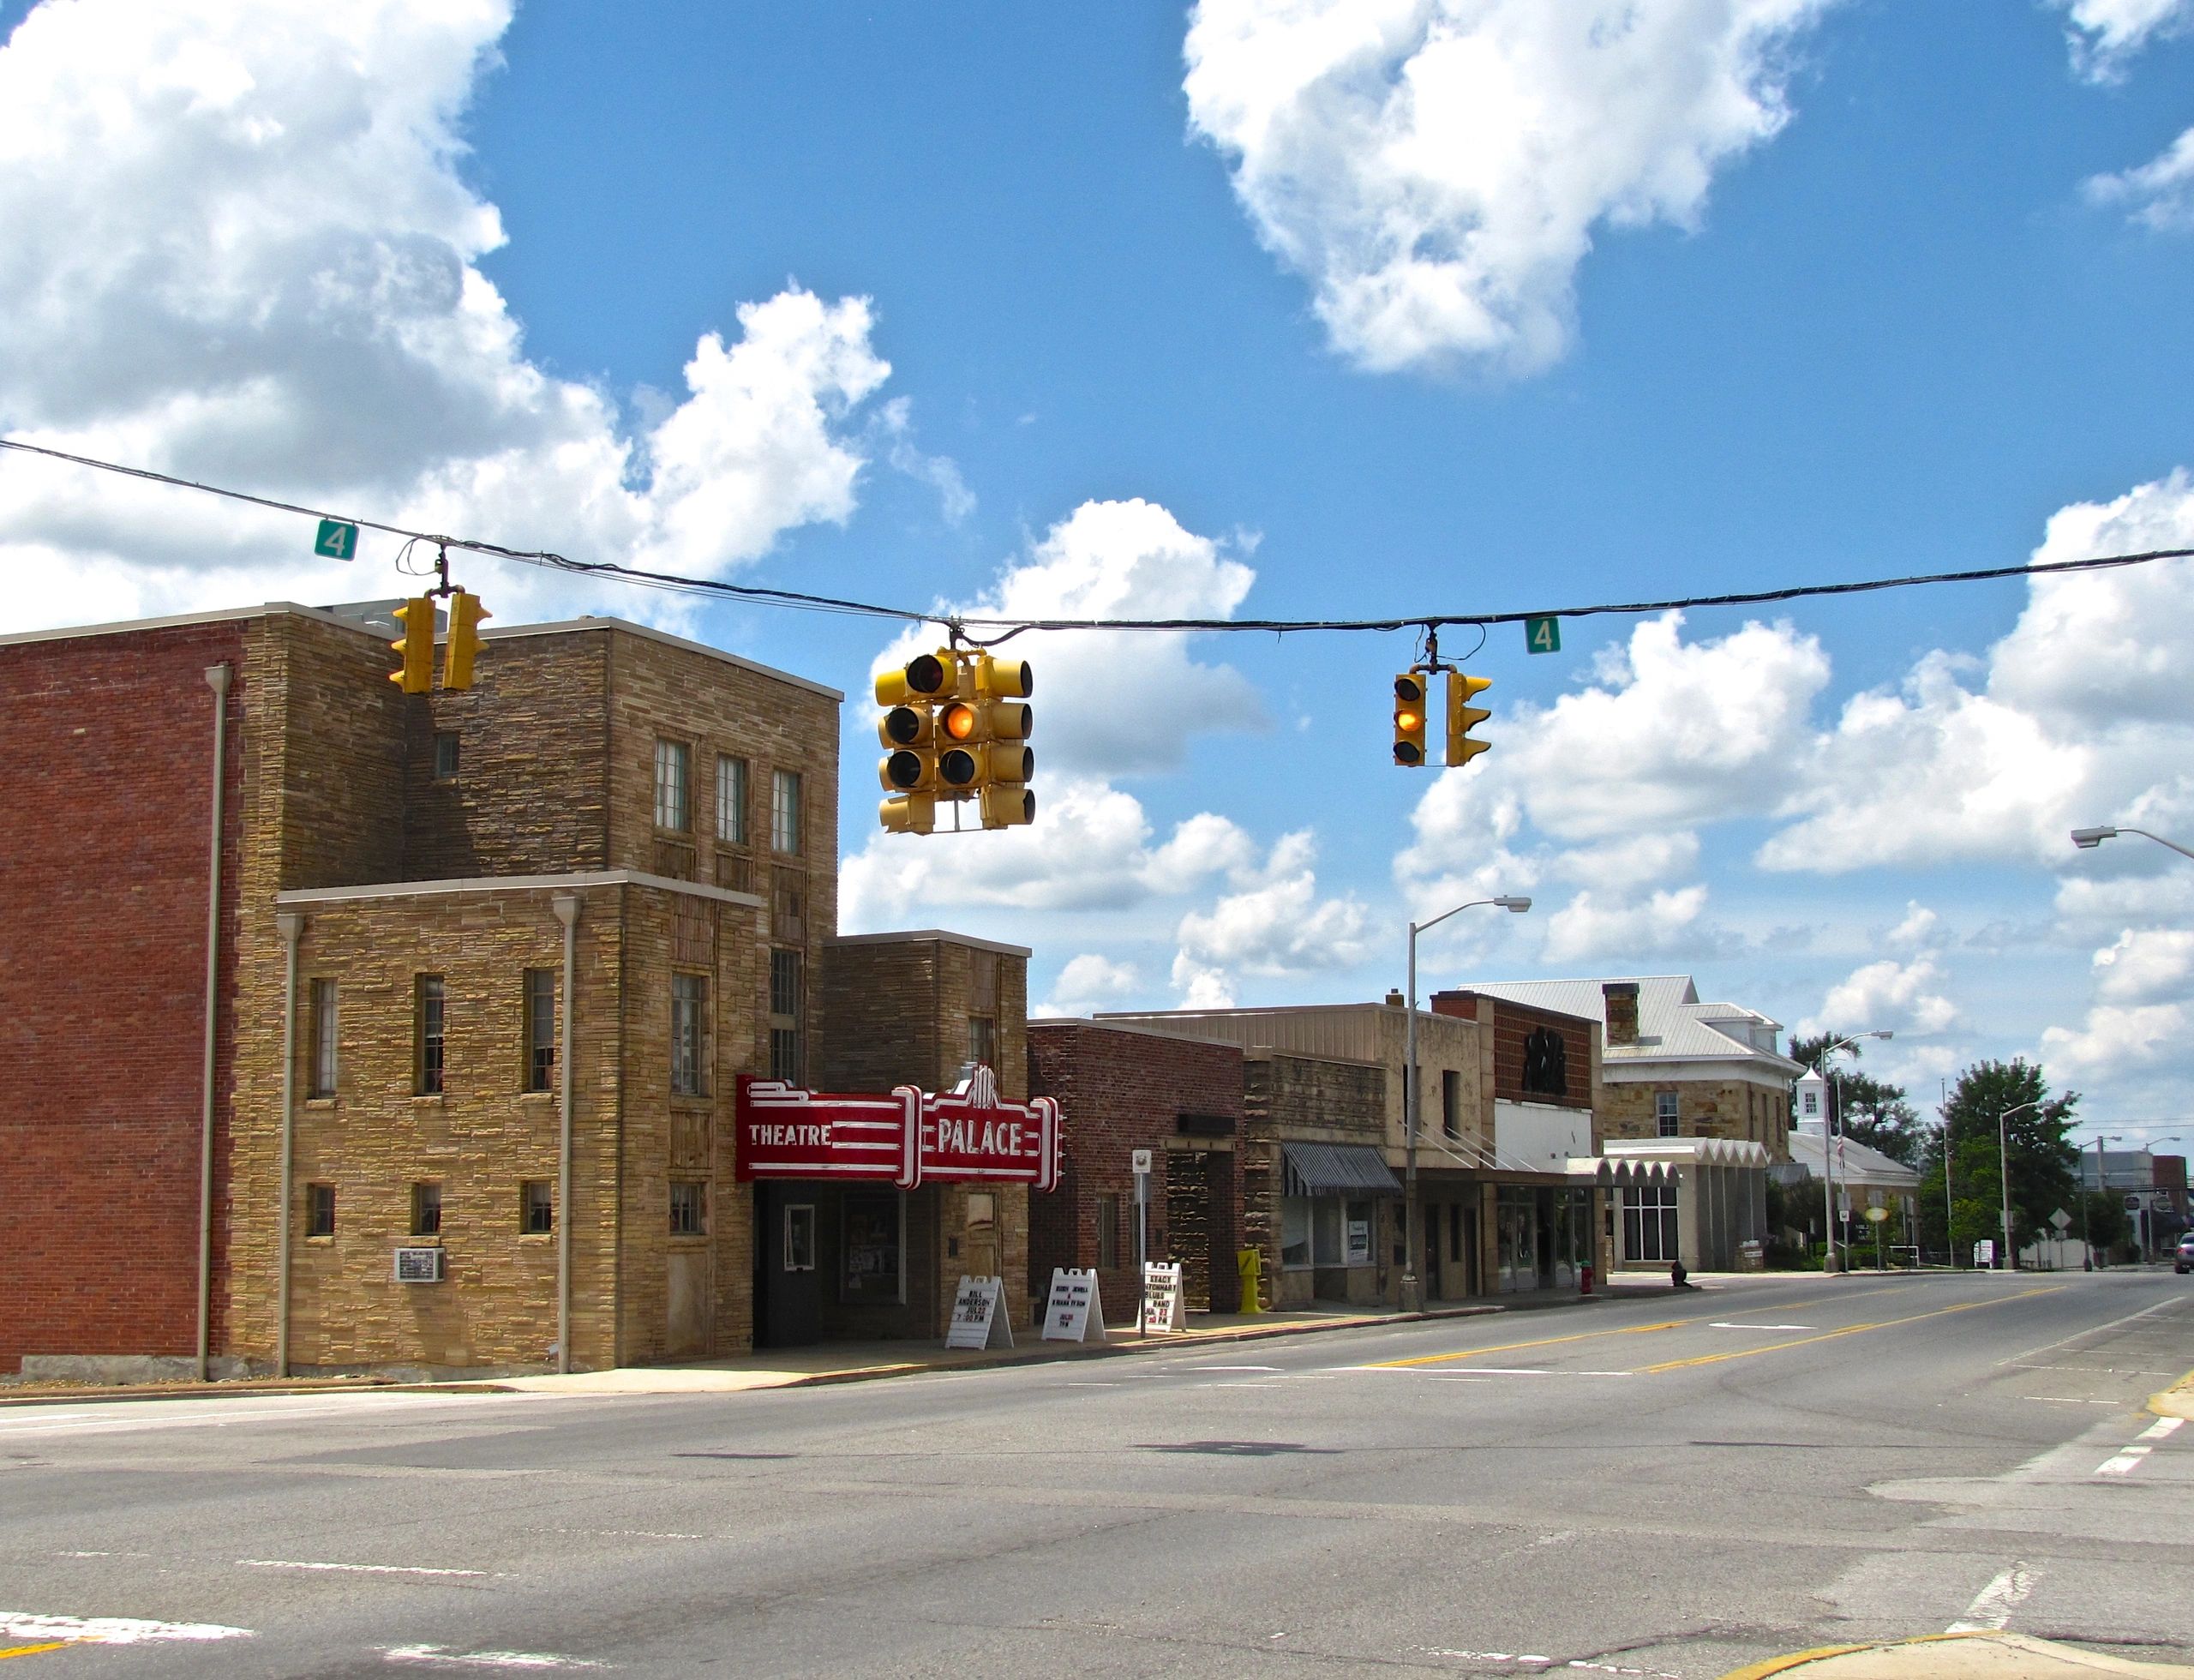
1337, 1169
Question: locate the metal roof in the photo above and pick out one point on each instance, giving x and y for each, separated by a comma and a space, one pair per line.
1673, 1025
1329, 1169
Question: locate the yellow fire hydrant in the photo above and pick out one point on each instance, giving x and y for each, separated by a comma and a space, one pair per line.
1249, 1263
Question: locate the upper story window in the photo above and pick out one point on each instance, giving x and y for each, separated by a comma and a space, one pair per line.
428, 1018
787, 1057
427, 1209
1451, 1102
446, 755
540, 1030
1665, 1113
784, 810
731, 800
688, 1005
673, 785
1809, 1100
322, 1082
1546, 1064
982, 1040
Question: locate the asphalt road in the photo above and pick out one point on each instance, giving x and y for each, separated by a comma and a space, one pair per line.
1665, 1487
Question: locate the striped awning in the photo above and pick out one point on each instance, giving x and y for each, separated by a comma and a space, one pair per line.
1337, 1169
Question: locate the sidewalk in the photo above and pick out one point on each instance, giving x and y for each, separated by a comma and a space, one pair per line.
864, 1361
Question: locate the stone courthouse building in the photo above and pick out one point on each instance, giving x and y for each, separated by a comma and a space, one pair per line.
489, 972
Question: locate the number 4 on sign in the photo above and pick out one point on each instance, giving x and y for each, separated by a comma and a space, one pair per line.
1542, 635
337, 540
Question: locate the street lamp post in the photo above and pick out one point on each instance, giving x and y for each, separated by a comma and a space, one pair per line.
2004, 1169
2087, 1235
1828, 1126
1950, 1217
1413, 1286
2087, 839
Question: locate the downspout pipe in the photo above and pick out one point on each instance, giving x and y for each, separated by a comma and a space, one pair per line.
566, 906
291, 927
217, 679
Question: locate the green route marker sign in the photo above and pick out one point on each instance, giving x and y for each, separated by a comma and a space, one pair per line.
337, 540
1542, 635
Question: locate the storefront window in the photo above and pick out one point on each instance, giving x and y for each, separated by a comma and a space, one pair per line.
873, 1271
1325, 1231
1359, 1233
1649, 1223
1295, 1231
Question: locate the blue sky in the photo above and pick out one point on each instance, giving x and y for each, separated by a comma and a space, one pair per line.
1725, 295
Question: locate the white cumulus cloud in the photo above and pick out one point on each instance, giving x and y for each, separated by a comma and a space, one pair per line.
2146, 965
241, 250
1279, 927
1087, 982
1594, 926
1438, 168
2105, 33
1904, 997
2159, 192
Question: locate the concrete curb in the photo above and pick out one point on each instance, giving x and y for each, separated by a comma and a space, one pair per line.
1982, 1655
2175, 1402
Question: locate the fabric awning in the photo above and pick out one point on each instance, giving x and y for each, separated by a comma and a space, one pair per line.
1337, 1169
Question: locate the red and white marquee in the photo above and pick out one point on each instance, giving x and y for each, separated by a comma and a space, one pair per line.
908, 1139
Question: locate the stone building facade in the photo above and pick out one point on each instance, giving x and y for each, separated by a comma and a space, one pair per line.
599, 886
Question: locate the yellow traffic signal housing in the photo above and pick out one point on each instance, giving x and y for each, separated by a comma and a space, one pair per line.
920, 681
908, 814
910, 733
415, 646
1409, 718
463, 645
1008, 805
1463, 716
1002, 679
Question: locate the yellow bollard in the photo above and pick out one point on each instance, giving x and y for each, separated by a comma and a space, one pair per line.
1249, 1263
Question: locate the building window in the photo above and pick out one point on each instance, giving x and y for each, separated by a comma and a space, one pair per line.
320, 1211
1108, 1233
784, 812
446, 755
688, 1004
1649, 1222
689, 1208
428, 1020
800, 1237
322, 1082
426, 1209
540, 1030
1664, 1112
1451, 1103
982, 1040
673, 785
786, 1056
1812, 1102
536, 1207
1546, 1064
1295, 1231
731, 800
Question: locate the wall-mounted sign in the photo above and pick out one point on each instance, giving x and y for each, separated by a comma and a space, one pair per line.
908, 1139
978, 1321
1162, 1306
1075, 1311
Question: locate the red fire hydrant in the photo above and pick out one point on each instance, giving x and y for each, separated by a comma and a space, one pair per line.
1584, 1279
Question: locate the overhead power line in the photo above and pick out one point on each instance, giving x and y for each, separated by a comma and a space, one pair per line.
1009, 628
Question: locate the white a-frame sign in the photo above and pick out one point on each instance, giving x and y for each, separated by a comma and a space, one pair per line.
979, 1320
1075, 1311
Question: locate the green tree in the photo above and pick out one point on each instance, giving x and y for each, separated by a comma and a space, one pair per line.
2042, 1157
1869, 1111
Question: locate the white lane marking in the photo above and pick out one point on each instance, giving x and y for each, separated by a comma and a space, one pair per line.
1238, 1385
82, 1424
1992, 1607
1216, 1367
2128, 1461
22, 1625
1543, 1665
2159, 1429
1092, 1385
1719, 1326
353, 1568
629, 1534
2097, 1330
436, 1656
2071, 1400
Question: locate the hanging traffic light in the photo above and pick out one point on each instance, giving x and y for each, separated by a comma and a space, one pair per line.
463, 645
1409, 718
909, 733
1005, 764
1463, 716
415, 646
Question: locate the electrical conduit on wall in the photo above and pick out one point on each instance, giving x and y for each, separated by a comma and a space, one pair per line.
217, 678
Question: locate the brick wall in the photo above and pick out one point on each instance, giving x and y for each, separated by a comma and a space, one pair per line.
1512, 1026
1118, 1091
103, 872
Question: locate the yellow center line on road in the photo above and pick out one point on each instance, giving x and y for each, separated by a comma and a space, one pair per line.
1849, 1330
1511, 1347
34, 1650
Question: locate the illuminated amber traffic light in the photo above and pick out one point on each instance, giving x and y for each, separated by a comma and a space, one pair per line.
1463, 716
415, 646
1409, 718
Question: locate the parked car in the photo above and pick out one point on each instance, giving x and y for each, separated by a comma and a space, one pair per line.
2184, 1260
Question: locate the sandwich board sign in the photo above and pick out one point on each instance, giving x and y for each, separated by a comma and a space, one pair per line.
1162, 1307
1075, 1311
977, 1321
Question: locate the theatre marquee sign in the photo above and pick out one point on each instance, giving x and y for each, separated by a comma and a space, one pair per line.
911, 1137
